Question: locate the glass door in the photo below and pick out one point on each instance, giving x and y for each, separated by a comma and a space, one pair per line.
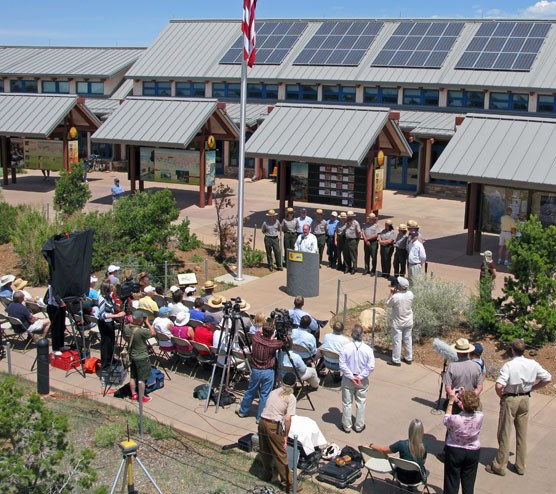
402, 172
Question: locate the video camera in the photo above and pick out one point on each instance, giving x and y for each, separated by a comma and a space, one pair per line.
282, 322
393, 281
232, 305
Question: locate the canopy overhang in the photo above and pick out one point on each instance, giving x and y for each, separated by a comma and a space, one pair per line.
327, 134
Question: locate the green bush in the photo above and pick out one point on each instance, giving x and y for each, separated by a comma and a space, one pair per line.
186, 240
71, 192
252, 258
483, 310
106, 436
437, 305
8, 219
30, 233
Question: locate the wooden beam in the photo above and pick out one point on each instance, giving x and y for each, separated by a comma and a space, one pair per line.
131, 160
282, 190
472, 216
4, 152
202, 165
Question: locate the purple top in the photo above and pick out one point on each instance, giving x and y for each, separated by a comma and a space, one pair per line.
464, 430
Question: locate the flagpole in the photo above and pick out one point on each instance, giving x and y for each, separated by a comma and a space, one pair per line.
241, 171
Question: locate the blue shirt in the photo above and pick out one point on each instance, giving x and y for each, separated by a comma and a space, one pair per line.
6, 293
117, 191
331, 226
284, 364
297, 314
93, 293
197, 315
306, 339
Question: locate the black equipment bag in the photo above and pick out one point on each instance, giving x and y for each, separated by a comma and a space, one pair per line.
355, 455
245, 443
339, 475
226, 398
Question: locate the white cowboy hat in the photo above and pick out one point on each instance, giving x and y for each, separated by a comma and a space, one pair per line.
7, 278
182, 318
462, 345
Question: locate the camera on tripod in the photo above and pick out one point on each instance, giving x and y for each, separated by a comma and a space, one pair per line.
282, 322
393, 281
232, 305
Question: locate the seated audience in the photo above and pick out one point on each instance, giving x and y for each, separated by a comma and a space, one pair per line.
197, 313
147, 302
297, 313
6, 290
111, 273
333, 342
31, 323
177, 305
308, 374
163, 324
302, 336
204, 334
208, 288
190, 295
18, 285
215, 307
180, 329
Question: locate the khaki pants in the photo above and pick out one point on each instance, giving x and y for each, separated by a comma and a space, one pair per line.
271, 446
351, 392
514, 410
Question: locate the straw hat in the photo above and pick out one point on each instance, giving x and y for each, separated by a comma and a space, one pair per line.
402, 226
209, 285
318, 211
182, 318
350, 214
388, 222
216, 302
412, 224
20, 284
371, 215
463, 346
487, 254
289, 210
271, 212
7, 278
343, 215
244, 306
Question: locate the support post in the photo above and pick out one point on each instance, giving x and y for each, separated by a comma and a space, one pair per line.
472, 216
202, 170
5, 158
370, 185
282, 191
131, 160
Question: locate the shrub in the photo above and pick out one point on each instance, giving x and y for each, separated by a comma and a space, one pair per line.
30, 233
186, 240
107, 435
36, 456
437, 305
483, 310
226, 224
8, 219
252, 258
71, 192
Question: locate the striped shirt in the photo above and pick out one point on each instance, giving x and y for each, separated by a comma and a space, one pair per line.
263, 355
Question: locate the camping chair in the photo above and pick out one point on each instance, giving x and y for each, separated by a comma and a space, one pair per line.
398, 465
164, 351
19, 332
205, 358
302, 390
35, 309
375, 461
328, 354
182, 356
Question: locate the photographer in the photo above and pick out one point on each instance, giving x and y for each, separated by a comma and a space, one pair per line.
401, 303
263, 359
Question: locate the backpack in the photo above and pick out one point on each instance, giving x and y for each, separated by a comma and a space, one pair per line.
201, 392
226, 398
356, 457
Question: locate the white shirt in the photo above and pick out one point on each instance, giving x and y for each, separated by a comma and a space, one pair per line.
357, 360
520, 374
177, 308
416, 252
334, 343
162, 325
306, 243
303, 221
296, 315
402, 313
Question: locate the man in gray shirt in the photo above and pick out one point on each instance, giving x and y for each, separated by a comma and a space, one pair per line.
353, 233
369, 234
319, 230
289, 228
271, 230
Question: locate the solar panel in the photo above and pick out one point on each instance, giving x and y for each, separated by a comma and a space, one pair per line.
419, 45
274, 41
512, 46
341, 43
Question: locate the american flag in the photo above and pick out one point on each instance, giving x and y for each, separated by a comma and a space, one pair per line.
248, 28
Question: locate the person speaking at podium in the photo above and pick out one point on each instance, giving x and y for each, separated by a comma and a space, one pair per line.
306, 242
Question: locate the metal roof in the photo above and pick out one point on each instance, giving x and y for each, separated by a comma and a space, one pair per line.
21, 61
337, 135
170, 122
254, 113
192, 49
125, 89
33, 115
428, 124
501, 150
102, 106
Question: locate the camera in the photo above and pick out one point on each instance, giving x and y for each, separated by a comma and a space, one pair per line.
393, 281
232, 305
282, 322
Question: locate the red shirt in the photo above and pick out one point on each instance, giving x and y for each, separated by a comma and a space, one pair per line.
203, 335
263, 353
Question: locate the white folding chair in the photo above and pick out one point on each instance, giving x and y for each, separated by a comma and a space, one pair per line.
398, 466
375, 461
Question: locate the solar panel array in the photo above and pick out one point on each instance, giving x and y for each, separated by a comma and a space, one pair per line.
419, 45
342, 43
510, 46
274, 42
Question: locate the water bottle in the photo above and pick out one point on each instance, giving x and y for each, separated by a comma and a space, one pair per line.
255, 442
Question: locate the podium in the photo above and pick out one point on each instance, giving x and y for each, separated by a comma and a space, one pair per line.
303, 274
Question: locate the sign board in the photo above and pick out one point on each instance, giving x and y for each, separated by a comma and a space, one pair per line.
187, 279
210, 167
169, 165
295, 256
43, 154
378, 189
73, 152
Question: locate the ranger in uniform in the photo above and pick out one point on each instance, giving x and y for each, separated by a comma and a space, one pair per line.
369, 234
340, 239
289, 227
271, 231
353, 233
319, 231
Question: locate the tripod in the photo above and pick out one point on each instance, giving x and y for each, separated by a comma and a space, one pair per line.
115, 371
228, 331
77, 334
129, 451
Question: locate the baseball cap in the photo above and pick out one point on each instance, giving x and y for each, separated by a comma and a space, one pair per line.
164, 311
149, 289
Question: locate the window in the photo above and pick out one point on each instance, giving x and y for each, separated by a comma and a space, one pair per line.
262, 91
226, 90
466, 99
59, 87
190, 89
28, 86
509, 101
546, 103
380, 95
96, 88
420, 97
339, 93
301, 92
157, 88
1, 86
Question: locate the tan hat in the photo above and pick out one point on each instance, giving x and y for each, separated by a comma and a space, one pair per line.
290, 210
343, 215
318, 211
271, 212
487, 254
388, 222
244, 306
20, 284
209, 285
402, 226
463, 346
371, 215
350, 213
412, 224
216, 302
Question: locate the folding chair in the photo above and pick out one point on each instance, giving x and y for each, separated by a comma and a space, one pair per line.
302, 391
4, 301
299, 349
205, 358
35, 308
328, 354
164, 351
398, 465
160, 300
194, 323
375, 461
19, 332
182, 356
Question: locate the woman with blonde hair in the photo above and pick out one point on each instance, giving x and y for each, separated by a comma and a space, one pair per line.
412, 449
258, 322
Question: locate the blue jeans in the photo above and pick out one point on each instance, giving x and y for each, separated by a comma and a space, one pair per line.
262, 380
